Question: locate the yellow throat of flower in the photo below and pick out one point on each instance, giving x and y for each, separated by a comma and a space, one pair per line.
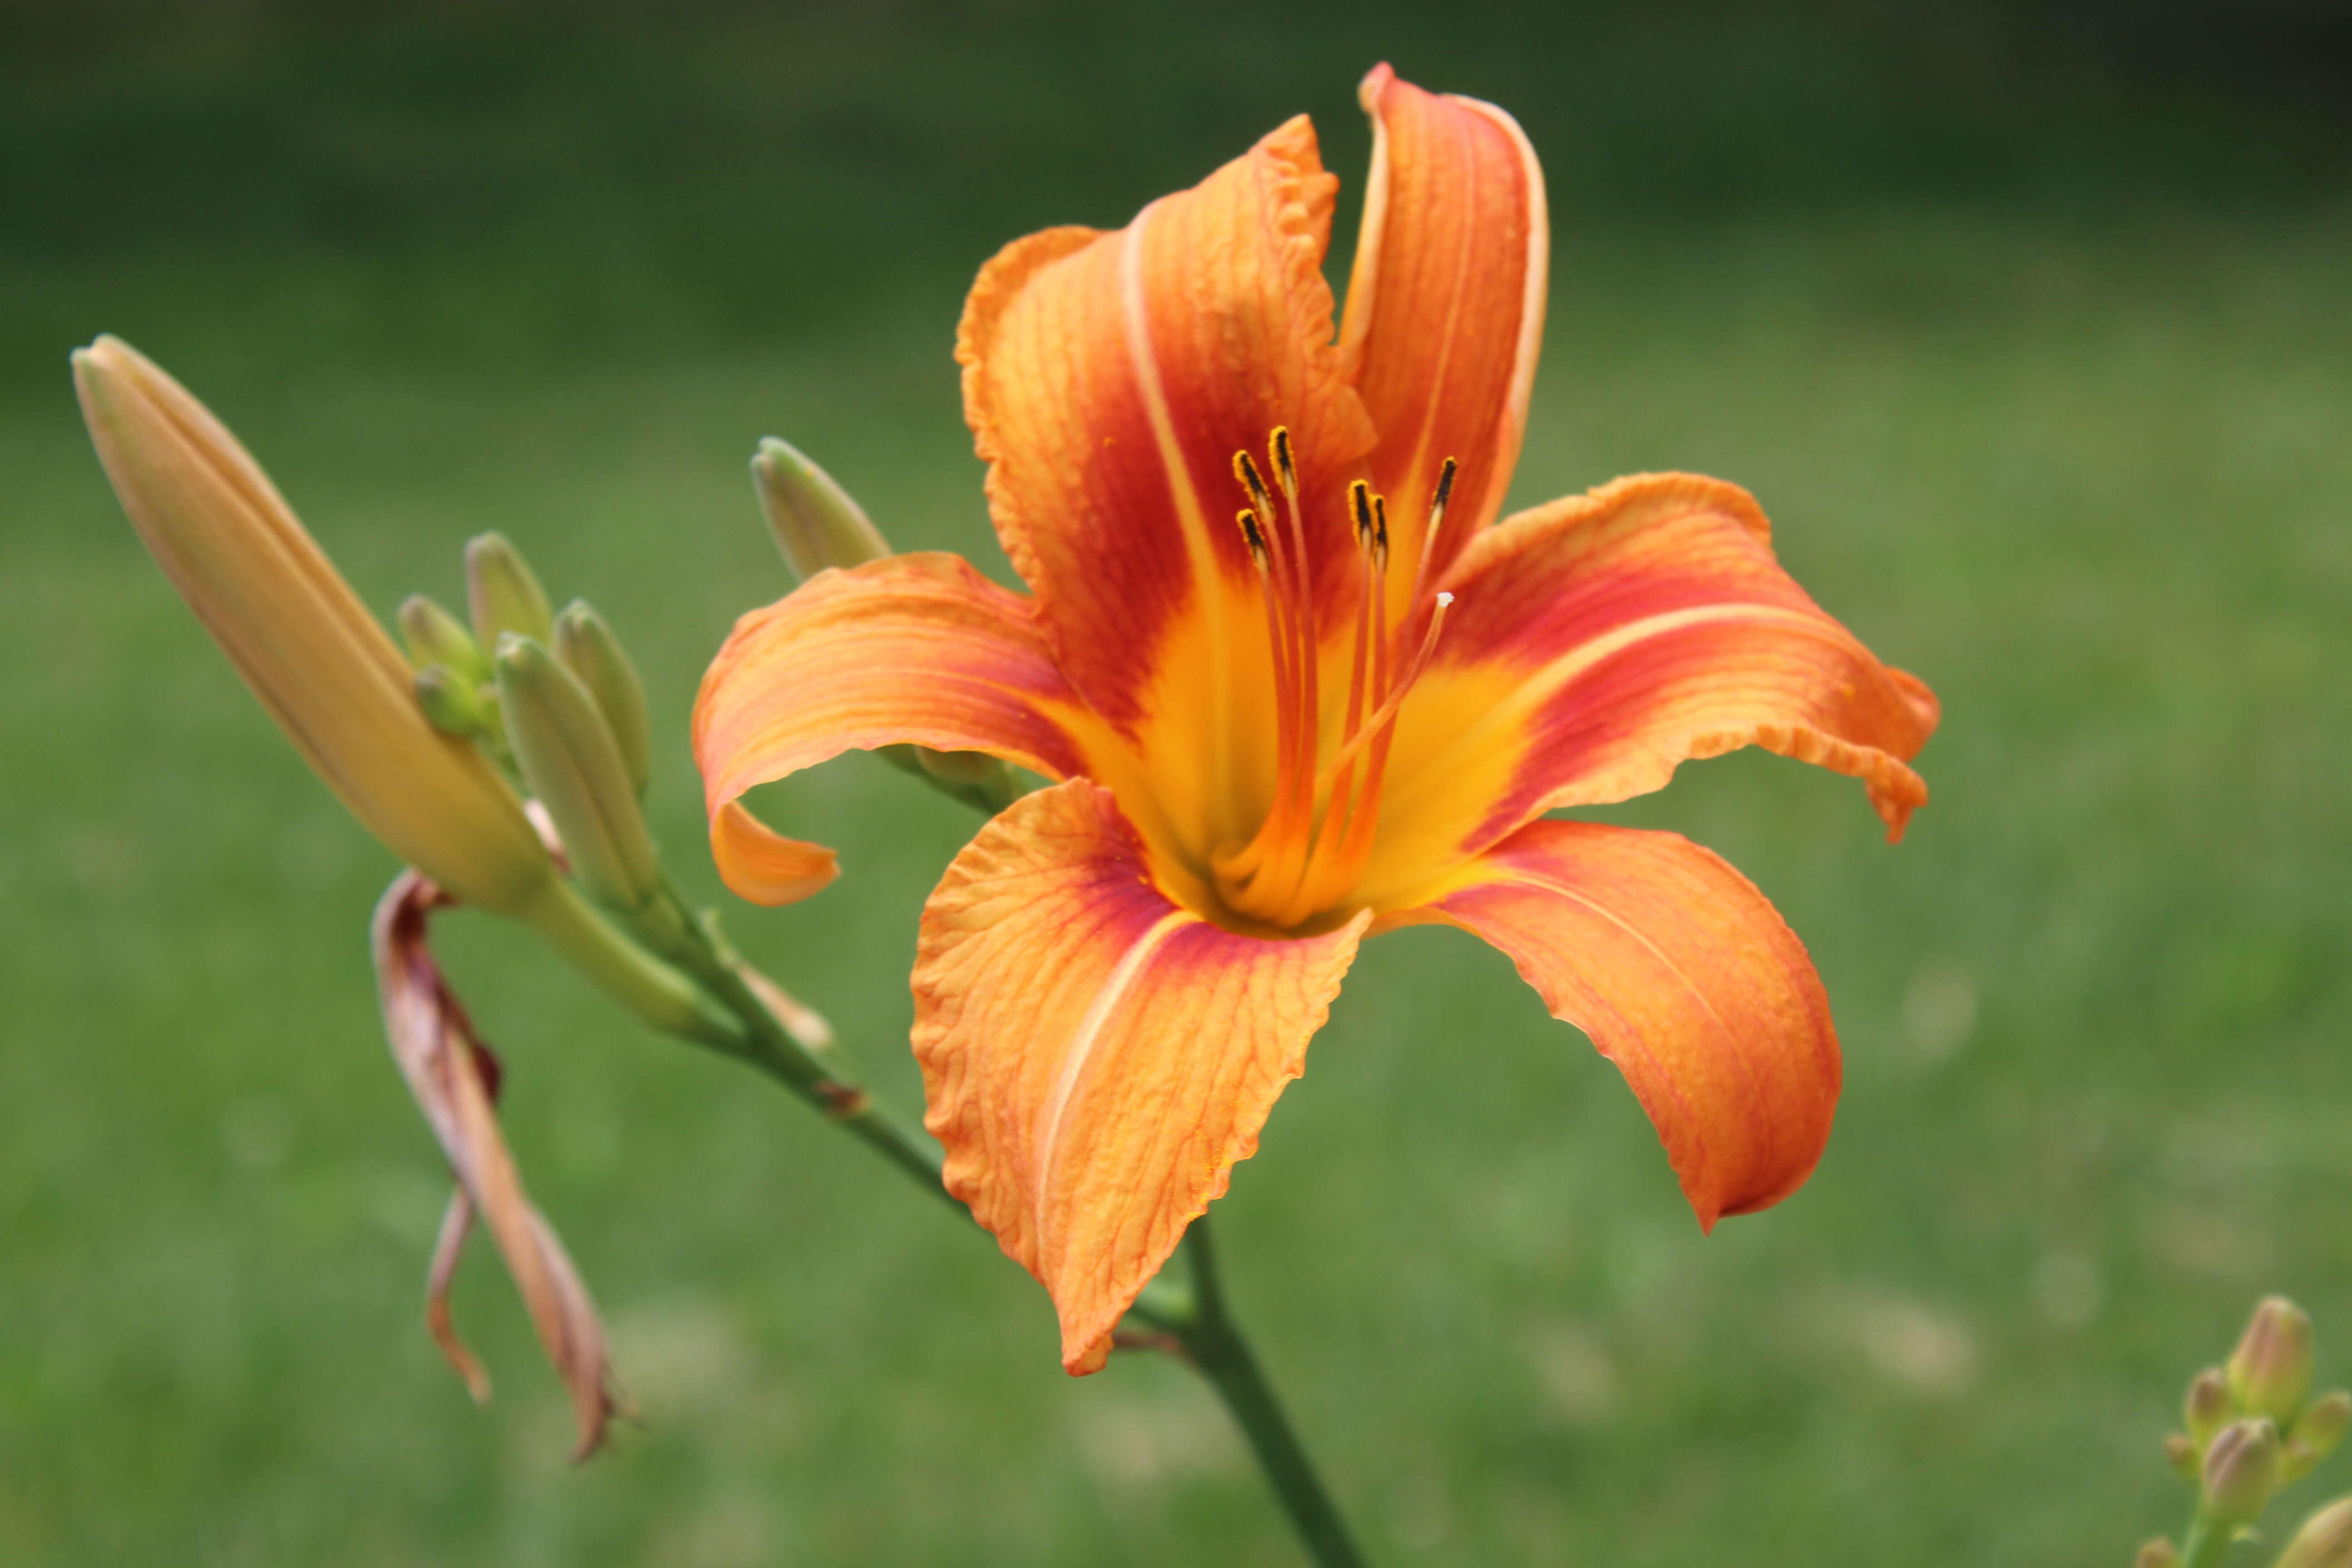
1316, 836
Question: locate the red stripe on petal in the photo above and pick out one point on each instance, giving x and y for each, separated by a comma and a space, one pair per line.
1108, 380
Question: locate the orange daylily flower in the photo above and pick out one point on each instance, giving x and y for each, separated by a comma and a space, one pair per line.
1299, 687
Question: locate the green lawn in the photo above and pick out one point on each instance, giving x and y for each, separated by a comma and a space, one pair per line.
2088, 479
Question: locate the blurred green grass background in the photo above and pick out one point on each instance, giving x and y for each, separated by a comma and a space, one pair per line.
2030, 327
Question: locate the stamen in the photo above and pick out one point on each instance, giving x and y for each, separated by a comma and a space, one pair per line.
1247, 471
1256, 540
1388, 709
1320, 821
1359, 503
1429, 535
1444, 494
1285, 469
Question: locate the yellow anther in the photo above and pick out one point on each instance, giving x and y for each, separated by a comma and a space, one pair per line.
1283, 469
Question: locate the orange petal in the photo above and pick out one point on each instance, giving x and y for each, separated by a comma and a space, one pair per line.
911, 647
1446, 307
1596, 643
1096, 1059
1686, 978
1109, 379
760, 864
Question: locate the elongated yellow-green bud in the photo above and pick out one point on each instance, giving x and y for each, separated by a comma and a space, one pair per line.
590, 650
2269, 1373
571, 763
433, 635
2158, 1554
307, 649
503, 593
816, 523
2318, 1432
2323, 1541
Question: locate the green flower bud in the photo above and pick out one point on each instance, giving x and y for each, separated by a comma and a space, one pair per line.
2181, 1453
972, 776
2158, 1554
2270, 1373
433, 635
959, 767
590, 650
503, 593
2242, 1471
571, 762
2323, 1541
452, 703
816, 523
2208, 1408
2317, 1433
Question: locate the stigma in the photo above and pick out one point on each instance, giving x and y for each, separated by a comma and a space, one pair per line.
1311, 849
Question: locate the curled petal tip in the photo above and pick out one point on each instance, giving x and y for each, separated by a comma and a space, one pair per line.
761, 865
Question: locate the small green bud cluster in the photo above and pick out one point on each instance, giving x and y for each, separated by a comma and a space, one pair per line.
555, 700
2252, 1428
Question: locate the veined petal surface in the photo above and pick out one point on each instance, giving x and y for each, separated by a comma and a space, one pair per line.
1108, 381
1096, 1059
910, 648
1597, 643
1686, 977
1445, 307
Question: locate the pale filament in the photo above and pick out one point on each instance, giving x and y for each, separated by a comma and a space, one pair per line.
1318, 829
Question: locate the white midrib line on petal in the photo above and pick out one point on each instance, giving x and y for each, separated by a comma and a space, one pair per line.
1081, 1047
1666, 961
1200, 552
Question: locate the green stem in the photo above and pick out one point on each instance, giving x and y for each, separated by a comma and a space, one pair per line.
626, 972
1199, 1321
2204, 1546
1214, 1344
